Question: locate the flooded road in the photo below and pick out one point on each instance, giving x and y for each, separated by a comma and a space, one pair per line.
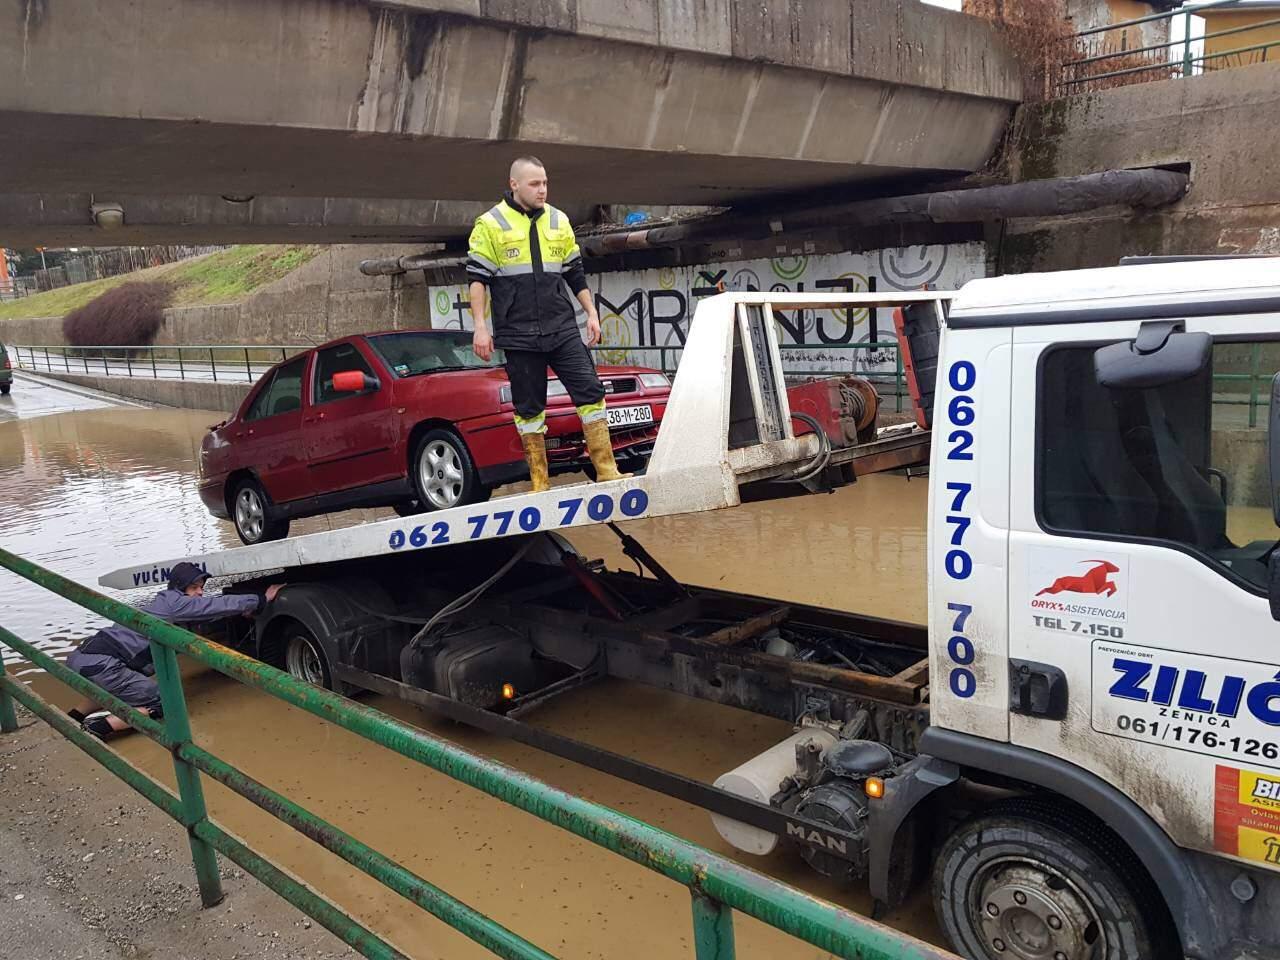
90, 485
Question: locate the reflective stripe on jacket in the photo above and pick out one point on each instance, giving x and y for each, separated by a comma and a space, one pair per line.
526, 260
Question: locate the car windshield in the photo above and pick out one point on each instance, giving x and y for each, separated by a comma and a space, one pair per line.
409, 354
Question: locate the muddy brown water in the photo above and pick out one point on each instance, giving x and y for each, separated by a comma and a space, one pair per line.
93, 487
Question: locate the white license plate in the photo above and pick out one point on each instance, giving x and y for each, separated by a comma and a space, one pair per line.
629, 416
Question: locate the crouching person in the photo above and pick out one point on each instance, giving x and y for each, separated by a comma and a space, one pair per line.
119, 659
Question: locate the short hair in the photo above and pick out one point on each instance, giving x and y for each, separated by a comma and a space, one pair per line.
519, 161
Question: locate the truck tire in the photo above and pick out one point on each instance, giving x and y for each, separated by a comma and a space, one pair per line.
1029, 879
304, 659
251, 516
443, 473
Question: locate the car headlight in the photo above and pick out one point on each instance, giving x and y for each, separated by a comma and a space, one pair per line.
655, 380
504, 395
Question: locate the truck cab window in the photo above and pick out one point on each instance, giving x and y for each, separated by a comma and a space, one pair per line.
1183, 463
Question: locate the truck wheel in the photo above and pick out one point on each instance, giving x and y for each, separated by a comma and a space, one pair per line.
304, 659
249, 513
443, 473
1027, 880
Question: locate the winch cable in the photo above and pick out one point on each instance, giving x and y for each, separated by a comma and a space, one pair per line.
823, 457
465, 600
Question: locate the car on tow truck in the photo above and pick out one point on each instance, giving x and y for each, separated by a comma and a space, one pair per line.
410, 419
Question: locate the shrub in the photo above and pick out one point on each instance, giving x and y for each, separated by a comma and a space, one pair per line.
128, 315
1039, 34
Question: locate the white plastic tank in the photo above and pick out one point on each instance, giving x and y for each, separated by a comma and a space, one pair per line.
758, 779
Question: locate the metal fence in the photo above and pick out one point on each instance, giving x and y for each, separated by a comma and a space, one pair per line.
245, 363
1107, 56
239, 363
717, 885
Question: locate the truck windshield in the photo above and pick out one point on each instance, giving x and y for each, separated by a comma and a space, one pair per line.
415, 352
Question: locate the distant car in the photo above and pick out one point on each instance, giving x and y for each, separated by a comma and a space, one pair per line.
407, 419
6, 372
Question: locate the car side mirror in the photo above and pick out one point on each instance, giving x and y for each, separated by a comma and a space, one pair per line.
354, 381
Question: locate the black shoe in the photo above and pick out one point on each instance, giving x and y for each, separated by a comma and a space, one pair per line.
100, 726
75, 715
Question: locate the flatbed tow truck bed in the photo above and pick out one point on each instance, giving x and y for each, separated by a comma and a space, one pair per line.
376, 607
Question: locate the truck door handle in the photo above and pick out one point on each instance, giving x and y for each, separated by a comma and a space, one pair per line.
1037, 690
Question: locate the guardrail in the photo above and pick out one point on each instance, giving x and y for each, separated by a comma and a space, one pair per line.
245, 363
717, 885
1107, 58
236, 363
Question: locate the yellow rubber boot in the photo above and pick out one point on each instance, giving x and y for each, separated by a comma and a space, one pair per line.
535, 454
600, 447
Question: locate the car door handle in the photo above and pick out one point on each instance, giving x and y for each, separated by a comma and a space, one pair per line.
318, 416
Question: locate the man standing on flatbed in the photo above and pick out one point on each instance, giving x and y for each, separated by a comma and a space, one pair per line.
522, 254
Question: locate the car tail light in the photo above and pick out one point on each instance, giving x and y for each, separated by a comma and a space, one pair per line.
5, 364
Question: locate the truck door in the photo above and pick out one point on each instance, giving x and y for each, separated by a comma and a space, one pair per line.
350, 437
968, 534
1142, 646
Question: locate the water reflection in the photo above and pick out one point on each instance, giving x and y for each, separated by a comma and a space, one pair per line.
87, 491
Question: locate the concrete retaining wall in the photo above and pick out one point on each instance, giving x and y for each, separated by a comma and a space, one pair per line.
188, 394
325, 298
1221, 125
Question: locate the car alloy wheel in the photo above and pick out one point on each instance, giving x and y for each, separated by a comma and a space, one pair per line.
440, 473
250, 514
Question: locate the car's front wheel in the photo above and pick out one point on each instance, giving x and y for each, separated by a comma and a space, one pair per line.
443, 473
250, 513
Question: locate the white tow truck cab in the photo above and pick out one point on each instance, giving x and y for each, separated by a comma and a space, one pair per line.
1082, 750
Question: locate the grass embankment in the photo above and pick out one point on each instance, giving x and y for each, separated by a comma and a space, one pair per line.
222, 277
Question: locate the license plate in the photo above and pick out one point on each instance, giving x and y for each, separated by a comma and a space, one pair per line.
629, 416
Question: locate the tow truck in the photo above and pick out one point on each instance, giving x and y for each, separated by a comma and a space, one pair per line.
1080, 751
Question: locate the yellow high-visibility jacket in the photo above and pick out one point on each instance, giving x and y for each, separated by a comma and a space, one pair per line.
530, 261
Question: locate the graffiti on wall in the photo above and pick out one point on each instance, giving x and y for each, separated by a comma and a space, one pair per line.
645, 314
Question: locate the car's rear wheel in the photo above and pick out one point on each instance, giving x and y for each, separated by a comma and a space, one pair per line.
444, 475
4, 389
251, 514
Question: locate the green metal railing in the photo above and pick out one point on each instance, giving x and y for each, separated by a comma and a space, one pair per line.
1257, 384
717, 885
1160, 60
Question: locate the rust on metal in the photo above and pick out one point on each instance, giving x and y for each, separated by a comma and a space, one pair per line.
752, 627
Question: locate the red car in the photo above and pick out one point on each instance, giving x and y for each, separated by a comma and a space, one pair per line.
409, 419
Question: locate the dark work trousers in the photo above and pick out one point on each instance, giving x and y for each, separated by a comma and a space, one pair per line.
527, 371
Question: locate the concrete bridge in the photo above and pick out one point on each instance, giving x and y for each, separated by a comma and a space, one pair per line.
339, 120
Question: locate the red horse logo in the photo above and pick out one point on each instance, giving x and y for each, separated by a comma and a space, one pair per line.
1094, 581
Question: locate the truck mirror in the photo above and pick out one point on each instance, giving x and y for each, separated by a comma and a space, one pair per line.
1273, 447
1273, 583
1157, 356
